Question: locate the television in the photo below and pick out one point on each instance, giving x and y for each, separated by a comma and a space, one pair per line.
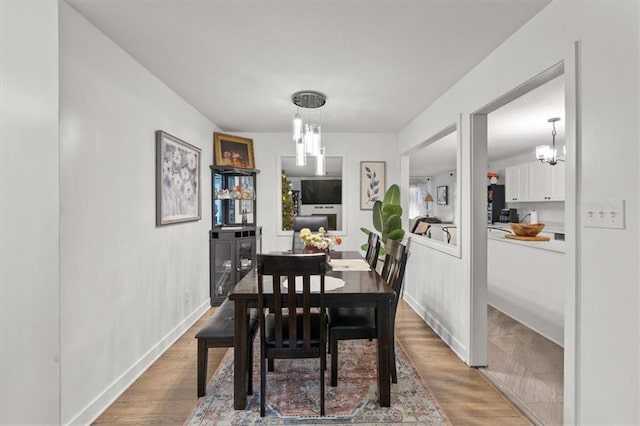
321, 191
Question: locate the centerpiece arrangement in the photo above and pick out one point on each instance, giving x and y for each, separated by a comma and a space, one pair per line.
319, 241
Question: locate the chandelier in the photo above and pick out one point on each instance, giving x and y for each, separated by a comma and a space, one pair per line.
307, 134
549, 153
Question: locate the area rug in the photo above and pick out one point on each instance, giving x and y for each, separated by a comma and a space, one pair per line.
293, 390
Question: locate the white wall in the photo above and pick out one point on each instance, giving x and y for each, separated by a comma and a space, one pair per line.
434, 283
353, 147
608, 333
29, 193
127, 287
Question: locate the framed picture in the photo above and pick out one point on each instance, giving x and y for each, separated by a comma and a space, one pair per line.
177, 180
372, 184
441, 195
233, 151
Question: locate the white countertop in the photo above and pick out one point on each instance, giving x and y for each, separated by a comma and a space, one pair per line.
551, 245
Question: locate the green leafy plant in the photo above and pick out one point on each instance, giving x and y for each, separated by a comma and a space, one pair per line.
387, 217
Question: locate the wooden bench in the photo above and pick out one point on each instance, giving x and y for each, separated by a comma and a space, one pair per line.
217, 332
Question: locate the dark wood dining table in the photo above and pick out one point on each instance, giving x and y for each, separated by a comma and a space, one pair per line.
362, 288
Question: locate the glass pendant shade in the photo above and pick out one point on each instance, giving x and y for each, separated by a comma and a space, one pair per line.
308, 141
297, 128
301, 154
316, 141
544, 152
320, 163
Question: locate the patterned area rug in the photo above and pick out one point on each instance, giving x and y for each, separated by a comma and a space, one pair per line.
293, 392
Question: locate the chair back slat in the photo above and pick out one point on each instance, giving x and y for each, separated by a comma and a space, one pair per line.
373, 248
306, 309
394, 265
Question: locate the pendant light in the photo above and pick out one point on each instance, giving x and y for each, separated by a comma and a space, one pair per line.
307, 133
549, 153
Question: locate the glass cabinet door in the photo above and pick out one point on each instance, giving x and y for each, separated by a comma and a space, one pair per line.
245, 250
234, 198
223, 267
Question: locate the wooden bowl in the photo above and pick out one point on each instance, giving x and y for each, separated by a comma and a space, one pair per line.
527, 230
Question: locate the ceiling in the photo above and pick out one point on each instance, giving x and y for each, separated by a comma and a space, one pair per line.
379, 62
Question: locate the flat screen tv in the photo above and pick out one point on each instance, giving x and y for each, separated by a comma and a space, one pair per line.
321, 191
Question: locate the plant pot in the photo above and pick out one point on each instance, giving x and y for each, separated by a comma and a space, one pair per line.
315, 250
311, 250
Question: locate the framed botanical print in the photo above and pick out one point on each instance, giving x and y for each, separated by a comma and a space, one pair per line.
233, 151
372, 183
178, 197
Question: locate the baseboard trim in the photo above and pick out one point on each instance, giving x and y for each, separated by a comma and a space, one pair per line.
96, 407
456, 346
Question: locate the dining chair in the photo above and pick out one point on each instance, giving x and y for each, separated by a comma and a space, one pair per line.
352, 323
284, 335
373, 248
313, 222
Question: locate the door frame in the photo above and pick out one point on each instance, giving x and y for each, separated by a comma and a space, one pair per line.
569, 68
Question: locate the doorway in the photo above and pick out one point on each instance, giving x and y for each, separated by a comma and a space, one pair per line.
483, 323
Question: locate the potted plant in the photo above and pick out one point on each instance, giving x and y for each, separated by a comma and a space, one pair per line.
387, 217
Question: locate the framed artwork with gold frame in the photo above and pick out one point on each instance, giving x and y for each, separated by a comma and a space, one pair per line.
233, 151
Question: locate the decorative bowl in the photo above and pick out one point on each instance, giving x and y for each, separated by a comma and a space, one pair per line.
527, 230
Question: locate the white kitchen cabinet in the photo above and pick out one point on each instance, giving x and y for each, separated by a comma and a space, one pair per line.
534, 181
516, 183
546, 182
539, 181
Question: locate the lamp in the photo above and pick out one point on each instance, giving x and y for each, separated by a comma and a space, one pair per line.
307, 133
428, 199
546, 153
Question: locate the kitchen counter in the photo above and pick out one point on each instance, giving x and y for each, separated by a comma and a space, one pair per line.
497, 232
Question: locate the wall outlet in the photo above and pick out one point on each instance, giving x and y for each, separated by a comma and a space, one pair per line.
603, 214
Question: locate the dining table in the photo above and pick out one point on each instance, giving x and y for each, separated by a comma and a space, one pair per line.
362, 288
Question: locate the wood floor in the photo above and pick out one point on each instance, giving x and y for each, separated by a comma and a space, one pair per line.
166, 392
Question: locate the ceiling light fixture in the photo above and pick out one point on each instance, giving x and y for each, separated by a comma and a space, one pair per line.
307, 133
546, 153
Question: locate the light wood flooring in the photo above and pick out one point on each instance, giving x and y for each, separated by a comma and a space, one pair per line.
527, 367
166, 392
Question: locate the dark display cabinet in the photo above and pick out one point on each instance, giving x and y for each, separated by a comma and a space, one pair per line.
232, 256
234, 239
495, 202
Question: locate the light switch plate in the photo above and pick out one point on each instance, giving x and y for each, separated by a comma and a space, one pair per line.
603, 214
